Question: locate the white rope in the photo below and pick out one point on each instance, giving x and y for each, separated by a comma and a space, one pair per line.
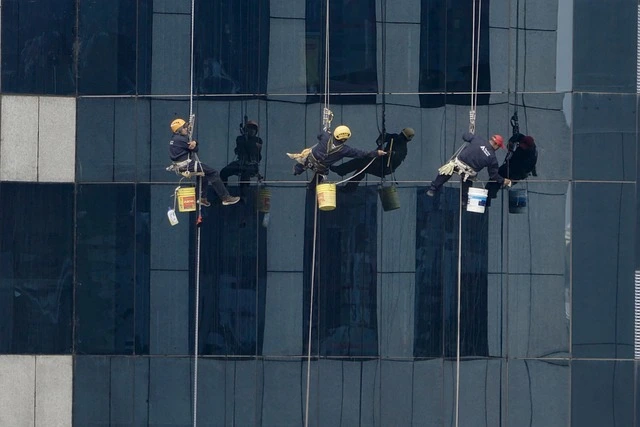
197, 295
358, 173
327, 116
313, 271
475, 65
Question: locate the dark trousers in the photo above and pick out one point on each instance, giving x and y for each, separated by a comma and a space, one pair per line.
245, 171
440, 180
213, 178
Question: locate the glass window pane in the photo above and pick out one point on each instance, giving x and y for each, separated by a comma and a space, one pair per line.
107, 53
37, 46
232, 279
36, 268
231, 46
436, 277
111, 230
446, 52
352, 49
345, 275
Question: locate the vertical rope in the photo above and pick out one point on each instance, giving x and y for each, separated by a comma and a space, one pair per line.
313, 270
475, 65
459, 289
327, 116
198, 234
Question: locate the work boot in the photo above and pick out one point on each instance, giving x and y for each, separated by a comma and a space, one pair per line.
204, 202
431, 193
230, 200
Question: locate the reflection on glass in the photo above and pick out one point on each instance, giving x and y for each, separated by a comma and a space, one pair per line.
112, 232
231, 46
446, 38
352, 48
108, 45
345, 275
36, 268
37, 46
437, 273
232, 278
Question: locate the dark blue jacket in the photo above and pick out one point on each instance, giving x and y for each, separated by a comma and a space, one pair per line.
248, 149
179, 147
479, 154
326, 152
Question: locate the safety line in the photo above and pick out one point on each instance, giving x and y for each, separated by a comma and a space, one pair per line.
475, 65
313, 271
198, 235
315, 214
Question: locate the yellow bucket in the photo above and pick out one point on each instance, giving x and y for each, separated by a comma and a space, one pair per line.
186, 199
264, 200
389, 198
326, 196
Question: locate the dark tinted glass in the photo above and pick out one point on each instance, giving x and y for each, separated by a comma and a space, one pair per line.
232, 278
231, 46
110, 390
604, 137
599, 26
37, 46
345, 275
113, 140
437, 281
602, 270
352, 48
446, 39
602, 393
36, 268
114, 46
112, 257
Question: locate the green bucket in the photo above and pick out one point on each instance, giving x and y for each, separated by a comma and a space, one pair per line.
389, 198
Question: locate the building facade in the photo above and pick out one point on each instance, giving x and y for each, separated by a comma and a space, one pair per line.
425, 315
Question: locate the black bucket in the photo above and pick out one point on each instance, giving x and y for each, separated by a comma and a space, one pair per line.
517, 201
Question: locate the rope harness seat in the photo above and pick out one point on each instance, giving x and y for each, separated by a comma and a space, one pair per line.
182, 168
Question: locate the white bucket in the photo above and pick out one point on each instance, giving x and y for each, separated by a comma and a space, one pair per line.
477, 200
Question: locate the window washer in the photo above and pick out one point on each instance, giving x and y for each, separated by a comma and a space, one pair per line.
329, 149
470, 160
394, 143
182, 151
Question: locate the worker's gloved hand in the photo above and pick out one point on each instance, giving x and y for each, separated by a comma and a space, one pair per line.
507, 182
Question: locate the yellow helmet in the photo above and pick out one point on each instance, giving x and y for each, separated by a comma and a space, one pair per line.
177, 124
342, 133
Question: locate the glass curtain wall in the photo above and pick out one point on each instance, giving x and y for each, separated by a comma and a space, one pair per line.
397, 307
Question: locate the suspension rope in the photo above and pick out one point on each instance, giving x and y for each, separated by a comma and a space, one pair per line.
327, 116
475, 65
198, 234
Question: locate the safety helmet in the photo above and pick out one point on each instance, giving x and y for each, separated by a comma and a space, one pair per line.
177, 124
408, 133
342, 133
498, 140
252, 123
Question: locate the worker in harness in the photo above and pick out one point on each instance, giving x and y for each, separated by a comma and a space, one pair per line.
329, 149
182, 151
248, 149
519, 163
395, 144
470, 160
